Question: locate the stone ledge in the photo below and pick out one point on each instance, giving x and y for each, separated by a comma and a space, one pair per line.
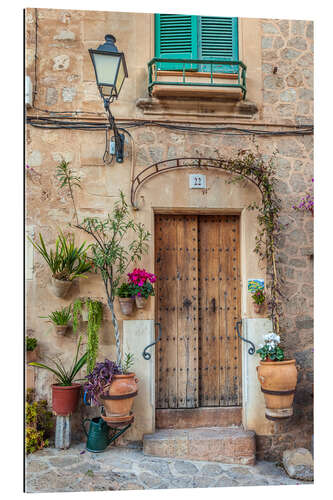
218, 106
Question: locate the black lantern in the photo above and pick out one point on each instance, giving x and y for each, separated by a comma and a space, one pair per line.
110, 69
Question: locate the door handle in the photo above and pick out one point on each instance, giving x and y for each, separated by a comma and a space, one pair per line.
214, 305
146, 354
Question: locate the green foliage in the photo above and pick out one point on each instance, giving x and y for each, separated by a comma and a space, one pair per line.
67, 261
68, 178
77, 312
64, 376
30, 343
95, 316
276, 355
127, 362
39, 422
110, 254
254, 167
125, 291
145, 291
60, 317
259, 297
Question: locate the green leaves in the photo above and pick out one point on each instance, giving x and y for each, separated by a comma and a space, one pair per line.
66, 261
60, 317
65, 377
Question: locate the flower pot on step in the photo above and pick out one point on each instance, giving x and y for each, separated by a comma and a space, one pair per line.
140, 302
126, 305
65, 398
60, 287
278, 383
119, 400
60, 329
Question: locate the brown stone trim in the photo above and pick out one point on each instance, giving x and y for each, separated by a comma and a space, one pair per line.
198, 417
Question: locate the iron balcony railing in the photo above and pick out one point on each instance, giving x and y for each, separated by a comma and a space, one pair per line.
238, 69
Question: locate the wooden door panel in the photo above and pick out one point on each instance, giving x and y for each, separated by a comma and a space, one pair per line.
198, 303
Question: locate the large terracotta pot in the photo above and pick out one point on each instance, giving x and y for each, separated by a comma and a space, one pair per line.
120, 398
140, 302
278, 381
59, 287
65, 398
126, 305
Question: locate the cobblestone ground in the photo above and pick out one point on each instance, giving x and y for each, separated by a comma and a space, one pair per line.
52, 470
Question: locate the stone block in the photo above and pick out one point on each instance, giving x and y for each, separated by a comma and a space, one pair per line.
297, 43
298, 464
61, 62
269, 28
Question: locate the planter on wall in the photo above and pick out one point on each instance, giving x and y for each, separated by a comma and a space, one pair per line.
60, 329
120, 398
126, 305
31, 356
65, 398
140, 302
257, 308
60, 288
278, 383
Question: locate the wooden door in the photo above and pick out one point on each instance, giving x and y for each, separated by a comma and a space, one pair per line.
197, 303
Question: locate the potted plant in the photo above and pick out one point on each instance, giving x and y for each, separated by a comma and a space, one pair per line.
125, 294
258, 300
65, 393
142, 281
31, 344
66, 262
60, 319
113, 386
278, 378
94, 310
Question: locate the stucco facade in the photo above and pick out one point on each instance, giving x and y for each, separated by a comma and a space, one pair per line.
279, 58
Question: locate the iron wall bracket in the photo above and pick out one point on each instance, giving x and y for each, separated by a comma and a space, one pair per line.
252, 349
146, 354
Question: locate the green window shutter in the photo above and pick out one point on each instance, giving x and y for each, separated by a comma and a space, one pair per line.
218, 39
176, 37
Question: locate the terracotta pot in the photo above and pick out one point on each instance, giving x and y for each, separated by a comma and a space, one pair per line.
140, 302
60, 329
126, 305
257, 308
59, 287
65, 398
121, 393
278, 381
31, 356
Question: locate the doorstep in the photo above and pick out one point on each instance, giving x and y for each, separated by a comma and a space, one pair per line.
229, 445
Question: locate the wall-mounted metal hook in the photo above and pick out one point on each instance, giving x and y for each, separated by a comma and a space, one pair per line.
146, 354
252, 349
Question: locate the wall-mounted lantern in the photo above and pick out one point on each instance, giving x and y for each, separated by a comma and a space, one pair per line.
110, 71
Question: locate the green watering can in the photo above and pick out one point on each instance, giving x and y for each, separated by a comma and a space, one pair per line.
98, 436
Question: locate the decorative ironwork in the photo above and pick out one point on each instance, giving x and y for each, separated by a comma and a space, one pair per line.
146, 354
239, 70
169, 165
252, 349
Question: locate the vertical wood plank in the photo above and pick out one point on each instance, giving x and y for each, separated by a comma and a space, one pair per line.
187, 299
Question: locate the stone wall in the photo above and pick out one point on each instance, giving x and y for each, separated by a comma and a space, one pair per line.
65, 81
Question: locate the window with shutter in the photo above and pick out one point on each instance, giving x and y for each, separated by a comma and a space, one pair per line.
176, 38
196, 37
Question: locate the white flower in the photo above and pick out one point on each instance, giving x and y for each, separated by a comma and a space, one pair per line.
261, 346
269, 337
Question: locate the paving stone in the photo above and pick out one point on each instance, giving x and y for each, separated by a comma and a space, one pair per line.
151, 481
203, 481
36, 466
211, 470
225, 481
64, 461
156, 466
298, 464
181, 482
185, 467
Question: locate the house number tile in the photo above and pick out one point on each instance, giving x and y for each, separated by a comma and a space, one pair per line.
197, 181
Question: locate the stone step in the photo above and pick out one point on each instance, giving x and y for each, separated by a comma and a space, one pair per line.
229, 445
184, 418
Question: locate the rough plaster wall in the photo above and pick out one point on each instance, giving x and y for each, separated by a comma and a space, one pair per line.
66, 82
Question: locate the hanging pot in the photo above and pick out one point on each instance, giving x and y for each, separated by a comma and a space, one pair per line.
31, 356
60, 287
126, 305
120, 398
278, 381
60, 329
140, 302
257, 308
65, 398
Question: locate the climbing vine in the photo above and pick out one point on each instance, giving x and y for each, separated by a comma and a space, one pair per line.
254, 167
